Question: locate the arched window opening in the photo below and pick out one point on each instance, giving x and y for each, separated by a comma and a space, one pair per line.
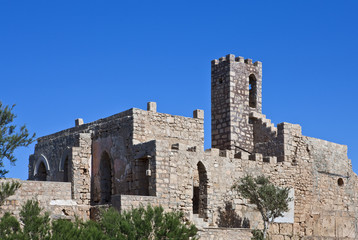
41, 172
67, 171
252, 91
200, 192
105, 172
340, 182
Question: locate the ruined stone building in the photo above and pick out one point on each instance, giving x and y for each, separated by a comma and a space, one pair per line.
146, 157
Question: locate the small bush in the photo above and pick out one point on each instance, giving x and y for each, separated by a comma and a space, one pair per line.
257, 235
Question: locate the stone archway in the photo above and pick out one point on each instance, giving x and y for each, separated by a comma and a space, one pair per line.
200, 191
41, 172
41, 169
106, 175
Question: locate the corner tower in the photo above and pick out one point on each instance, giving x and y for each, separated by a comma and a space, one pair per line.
236, 85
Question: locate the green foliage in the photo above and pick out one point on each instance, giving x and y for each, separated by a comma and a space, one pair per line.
91, 231
270, 200
65, 230
141, 223
36, 225
257, 235
9, 227
7, 189
146, 223
10, 139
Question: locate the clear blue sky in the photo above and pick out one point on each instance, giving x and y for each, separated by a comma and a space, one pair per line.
61, 60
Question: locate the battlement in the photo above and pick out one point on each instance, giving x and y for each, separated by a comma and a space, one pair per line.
231, 58
230, 154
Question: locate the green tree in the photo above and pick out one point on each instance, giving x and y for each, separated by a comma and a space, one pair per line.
9, 227
7, 189
36, 226
63, 229
10, 138
270, 200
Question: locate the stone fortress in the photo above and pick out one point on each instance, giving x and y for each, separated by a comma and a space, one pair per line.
145, 157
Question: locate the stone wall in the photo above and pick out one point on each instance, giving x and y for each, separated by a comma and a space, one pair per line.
128, 202
224, 234
150, 125
53, 197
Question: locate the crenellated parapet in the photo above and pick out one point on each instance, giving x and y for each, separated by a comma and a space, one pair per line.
230, 58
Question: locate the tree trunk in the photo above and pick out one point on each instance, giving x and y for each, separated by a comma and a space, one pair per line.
266, 228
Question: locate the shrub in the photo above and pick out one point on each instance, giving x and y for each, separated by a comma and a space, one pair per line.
146, 223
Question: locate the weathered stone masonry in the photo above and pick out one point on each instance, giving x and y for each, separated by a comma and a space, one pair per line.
145, 157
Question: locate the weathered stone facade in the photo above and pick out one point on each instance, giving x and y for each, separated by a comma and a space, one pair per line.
142, 156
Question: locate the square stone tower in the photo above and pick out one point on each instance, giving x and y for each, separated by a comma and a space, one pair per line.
235, 92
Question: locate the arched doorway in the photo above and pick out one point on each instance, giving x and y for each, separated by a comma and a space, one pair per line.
200, 191
105, 173
41, 172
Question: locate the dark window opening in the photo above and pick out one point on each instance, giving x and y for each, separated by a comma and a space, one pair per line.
252, 91
195, 200
66, 171
41, 172
105, 170
340, 182
143, 176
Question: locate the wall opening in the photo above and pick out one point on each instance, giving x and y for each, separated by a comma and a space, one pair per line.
142, 165
252, 91
105, 173
200, 191
67, 170
41, 172
340, 182
196, 199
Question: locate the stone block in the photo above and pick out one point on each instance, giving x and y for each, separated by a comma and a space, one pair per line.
78, 122
152, 106
256, 157
198, 113
286, 228
242, 155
